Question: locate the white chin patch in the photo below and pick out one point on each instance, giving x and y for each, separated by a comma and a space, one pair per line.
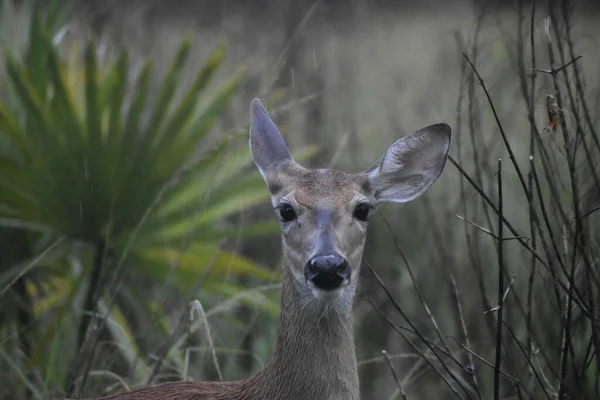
329, 295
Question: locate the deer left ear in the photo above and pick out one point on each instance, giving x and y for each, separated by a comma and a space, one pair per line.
267, 146
411, 165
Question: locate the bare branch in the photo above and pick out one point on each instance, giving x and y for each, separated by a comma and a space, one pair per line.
556, 71
389, 363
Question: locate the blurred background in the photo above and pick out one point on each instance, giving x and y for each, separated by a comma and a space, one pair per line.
127, 190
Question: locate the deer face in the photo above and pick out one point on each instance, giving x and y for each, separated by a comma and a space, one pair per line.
324, 213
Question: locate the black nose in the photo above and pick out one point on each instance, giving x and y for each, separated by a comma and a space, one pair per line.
327, 271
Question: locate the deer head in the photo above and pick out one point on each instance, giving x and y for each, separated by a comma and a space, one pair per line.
324, 213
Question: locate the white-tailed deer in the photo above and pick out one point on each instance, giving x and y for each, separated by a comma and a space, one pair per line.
323, 217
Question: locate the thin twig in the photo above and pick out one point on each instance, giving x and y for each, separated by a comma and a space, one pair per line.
556, 71
416, 285
472, 249
501, 128
593, 210
471, 367
483, 360
487, 231
528, 358
532, 136
389, 363
500, 287
504, 295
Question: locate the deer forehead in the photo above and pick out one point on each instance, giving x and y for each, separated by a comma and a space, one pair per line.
326, 189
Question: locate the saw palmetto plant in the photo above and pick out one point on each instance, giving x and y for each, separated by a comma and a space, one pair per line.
110, 191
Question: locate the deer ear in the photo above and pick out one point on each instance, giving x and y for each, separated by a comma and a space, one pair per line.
411, 165
266, 144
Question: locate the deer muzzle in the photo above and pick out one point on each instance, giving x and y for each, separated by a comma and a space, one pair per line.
327, 271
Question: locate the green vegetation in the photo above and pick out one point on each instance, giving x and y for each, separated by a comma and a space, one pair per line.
111, 191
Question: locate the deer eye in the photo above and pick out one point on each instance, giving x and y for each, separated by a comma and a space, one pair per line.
286, 213
361, 211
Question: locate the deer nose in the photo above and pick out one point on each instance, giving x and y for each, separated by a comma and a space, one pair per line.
327, 271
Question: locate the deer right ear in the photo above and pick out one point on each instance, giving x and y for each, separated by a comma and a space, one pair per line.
411, 165
267, 147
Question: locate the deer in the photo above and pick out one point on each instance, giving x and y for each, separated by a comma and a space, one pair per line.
324, 215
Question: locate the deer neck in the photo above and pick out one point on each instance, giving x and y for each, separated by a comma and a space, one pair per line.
314, 355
